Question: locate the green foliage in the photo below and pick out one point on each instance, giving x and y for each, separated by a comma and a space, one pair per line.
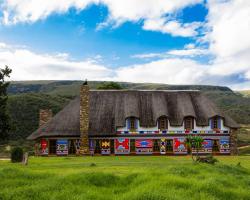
4, 117
233, 104
210, 159
194, 142
126, 177
109, 86
24, 111
16, 154
245, 151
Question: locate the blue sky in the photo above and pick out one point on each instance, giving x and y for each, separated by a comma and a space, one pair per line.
170, 42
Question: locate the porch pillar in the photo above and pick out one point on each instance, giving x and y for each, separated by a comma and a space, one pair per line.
233, 142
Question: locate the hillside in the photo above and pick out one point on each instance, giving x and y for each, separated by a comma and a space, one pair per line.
71, 88
245, 93
26, 98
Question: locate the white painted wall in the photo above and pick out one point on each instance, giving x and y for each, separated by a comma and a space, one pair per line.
175, 128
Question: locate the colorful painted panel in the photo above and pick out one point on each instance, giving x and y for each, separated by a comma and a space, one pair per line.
105, 146
179, 146
163, 146
224, 146
144, 143
207, 146
144, 146
122, 146
44, 150
62, 147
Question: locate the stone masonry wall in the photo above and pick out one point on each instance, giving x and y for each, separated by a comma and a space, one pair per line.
44, 116
84, 119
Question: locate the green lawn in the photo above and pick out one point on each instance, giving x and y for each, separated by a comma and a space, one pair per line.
142, 178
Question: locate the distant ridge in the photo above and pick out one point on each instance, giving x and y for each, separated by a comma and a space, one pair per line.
72, 87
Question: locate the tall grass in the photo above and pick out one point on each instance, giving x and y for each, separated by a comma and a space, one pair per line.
135, 178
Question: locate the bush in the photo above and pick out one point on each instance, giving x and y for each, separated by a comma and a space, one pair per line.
17, 154
109, 86
207, 159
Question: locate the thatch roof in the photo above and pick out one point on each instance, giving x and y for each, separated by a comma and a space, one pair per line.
109, 108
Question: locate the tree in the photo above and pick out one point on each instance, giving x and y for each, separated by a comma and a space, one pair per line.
4, 117
110, 86
194, 142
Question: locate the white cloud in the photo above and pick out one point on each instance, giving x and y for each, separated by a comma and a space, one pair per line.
229, 41
28, 65
172, 27
120, 11
174, 71
15, 11
230, 24
188, 51
189, 46
134, 10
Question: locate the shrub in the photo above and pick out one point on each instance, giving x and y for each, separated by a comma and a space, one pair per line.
17, 154
92, 165
207, 159
110, 86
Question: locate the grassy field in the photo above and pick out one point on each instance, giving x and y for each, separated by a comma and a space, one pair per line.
140, 178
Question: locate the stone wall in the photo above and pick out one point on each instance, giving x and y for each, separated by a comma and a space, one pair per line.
233, 142
44, 116
84, 118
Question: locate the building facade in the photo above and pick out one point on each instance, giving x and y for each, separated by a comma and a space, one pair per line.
129, 122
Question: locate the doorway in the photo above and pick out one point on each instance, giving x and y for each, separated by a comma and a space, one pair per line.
52, 147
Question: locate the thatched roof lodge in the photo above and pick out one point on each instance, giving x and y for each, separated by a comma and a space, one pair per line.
137, 117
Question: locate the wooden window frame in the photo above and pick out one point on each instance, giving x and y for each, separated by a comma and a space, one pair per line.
215, 123
162, 123
132, 123
189, 123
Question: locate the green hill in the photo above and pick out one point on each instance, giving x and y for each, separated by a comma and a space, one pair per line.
26, 98
72, 87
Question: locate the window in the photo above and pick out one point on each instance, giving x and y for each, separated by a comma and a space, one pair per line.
132, 123
215, 123
163, 123
189, 123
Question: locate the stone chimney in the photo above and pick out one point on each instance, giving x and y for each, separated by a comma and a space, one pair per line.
44, 116
84, 118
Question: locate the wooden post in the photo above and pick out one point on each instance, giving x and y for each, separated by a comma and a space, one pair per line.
25, 158
233, 142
